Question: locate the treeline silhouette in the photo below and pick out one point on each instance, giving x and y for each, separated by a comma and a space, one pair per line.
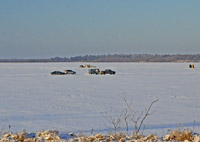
117, 58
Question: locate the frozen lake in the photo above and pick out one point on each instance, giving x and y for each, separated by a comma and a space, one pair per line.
32, 99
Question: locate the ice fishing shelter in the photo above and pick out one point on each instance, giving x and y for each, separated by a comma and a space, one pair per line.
191, 66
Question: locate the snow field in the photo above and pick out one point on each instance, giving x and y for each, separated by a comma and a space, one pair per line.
34, 100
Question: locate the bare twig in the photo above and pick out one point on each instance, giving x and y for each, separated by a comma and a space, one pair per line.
136, 121
116, 122
147, 113
126, 116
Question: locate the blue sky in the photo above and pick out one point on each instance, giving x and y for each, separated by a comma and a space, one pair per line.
65, 28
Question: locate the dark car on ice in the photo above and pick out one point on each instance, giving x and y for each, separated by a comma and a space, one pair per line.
107, 71
57, 73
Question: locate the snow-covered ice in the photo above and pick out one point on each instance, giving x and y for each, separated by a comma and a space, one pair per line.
32, 99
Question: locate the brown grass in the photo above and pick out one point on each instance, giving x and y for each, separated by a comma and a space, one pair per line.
177, 135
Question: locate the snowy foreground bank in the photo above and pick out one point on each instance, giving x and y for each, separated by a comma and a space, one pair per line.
34, 100
51, 136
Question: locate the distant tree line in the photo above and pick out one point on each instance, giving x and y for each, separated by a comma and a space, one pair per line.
117, 58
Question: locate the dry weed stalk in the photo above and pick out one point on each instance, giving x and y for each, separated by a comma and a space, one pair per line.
139, 121
115, 121
126, 116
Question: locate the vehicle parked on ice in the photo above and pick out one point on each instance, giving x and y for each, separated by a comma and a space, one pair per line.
97, 71
69, 72
63, 73
109, 71
57, 73
93, 71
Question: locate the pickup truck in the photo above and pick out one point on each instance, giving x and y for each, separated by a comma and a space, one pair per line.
109, 71
97, 71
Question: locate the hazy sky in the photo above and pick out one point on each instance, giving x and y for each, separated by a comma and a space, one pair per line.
49, 28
